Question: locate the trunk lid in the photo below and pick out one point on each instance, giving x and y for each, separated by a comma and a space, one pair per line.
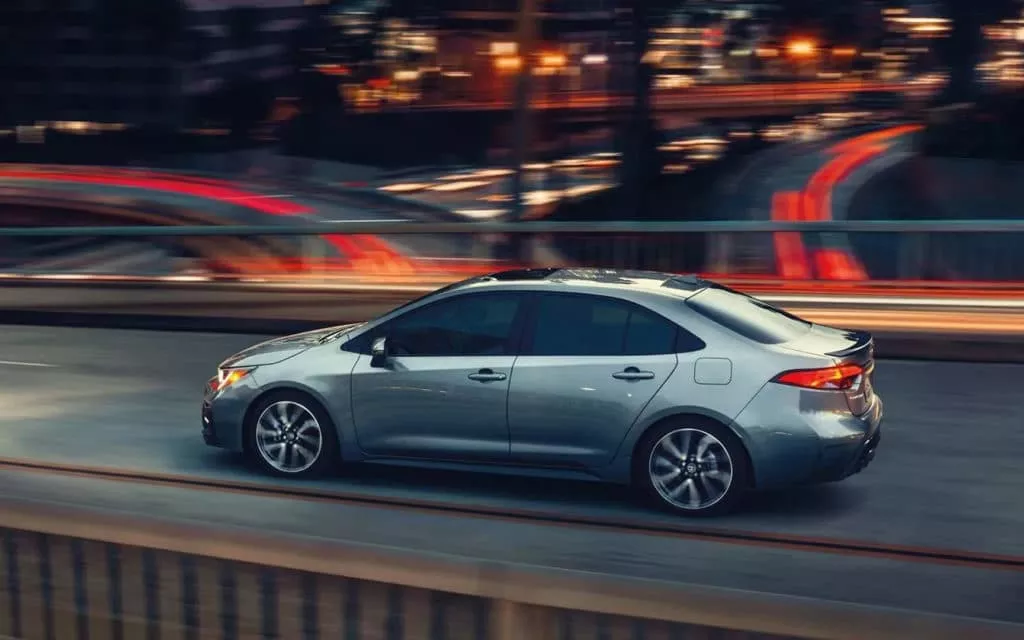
845, 347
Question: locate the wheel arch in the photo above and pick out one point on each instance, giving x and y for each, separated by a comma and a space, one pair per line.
698, 416
283, 388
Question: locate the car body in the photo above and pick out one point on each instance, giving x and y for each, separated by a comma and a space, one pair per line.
670, 382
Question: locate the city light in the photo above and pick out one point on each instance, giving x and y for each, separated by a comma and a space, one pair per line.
595, 58
554, 59
802, 48
504, 48
508, 63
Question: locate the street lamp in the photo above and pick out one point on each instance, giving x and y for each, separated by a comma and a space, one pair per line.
803, 51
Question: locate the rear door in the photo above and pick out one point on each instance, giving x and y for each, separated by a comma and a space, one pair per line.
589, 366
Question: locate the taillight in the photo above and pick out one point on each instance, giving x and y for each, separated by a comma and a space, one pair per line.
838, 378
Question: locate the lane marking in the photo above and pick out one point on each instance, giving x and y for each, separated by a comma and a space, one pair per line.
15, 363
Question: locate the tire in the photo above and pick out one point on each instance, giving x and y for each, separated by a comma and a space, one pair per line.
309, 424
724, 456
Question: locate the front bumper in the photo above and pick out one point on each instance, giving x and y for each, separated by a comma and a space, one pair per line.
223, 413
209, 427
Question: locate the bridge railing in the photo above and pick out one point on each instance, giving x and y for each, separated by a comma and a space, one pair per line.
74, 573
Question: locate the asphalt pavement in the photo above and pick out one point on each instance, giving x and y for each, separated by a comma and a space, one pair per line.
947, 475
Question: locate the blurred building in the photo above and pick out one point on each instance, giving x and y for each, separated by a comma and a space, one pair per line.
87, 63
467, 49
709, 40
232, 36
1003, 55
911, 32
573, 52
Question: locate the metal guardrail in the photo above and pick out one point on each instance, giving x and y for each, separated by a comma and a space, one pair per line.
954, 251
526, 228
72, 573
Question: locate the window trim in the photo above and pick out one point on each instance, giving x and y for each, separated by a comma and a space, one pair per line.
530, 328
362, 343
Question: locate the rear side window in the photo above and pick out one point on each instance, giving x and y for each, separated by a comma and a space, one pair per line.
584, 325
747, 316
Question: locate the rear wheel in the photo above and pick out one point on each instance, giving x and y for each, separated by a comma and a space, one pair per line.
289, 434
693, 467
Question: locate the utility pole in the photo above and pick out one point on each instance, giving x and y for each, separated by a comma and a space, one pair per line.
526, 41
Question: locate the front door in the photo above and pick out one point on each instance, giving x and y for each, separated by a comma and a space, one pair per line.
442, 392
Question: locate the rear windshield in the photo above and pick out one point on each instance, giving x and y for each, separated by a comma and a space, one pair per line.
747, 316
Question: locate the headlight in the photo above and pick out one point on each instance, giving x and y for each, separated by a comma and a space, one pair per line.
227, 377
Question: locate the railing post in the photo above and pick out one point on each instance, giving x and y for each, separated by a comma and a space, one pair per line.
314, 255
912, 256
516, 621
719, 247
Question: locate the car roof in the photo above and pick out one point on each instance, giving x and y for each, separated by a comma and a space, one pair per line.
594, 280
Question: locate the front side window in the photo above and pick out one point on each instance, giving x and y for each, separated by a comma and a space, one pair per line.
468, 325
585, 325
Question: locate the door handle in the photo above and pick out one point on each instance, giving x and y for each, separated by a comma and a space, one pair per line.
632, 373
487, 375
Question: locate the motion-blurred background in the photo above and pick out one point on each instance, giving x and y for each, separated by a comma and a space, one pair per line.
263, 166
204, 112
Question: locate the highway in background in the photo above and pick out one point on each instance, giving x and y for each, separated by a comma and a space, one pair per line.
700, 96
947, 476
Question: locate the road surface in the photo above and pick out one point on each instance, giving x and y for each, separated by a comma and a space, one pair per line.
947, 475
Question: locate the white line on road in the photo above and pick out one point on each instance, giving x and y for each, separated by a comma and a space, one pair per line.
14, 363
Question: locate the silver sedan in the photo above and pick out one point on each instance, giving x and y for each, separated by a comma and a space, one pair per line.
690, 391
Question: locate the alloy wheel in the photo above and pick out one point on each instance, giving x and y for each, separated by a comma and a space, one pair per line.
289, 437
690, 469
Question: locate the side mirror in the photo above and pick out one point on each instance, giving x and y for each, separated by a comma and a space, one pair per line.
379, 351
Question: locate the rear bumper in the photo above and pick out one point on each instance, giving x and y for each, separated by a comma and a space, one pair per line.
796, 436
844, 460
867, 453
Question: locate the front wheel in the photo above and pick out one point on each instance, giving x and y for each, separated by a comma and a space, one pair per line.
289, 434
695, 467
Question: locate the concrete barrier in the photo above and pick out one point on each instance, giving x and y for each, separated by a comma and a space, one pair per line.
75, 574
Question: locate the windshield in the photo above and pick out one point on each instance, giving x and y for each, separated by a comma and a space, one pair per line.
447, 287
435, 292
751, 318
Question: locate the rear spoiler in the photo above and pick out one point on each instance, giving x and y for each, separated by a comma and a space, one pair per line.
861, 340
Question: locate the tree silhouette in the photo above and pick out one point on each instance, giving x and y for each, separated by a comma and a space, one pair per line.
638, 135
244, 99
155, 26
